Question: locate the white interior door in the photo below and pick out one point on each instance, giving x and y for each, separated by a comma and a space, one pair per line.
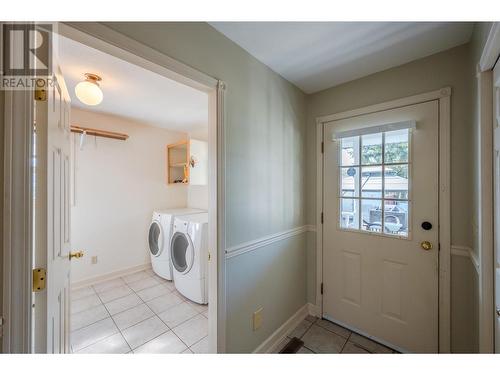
380, 205
496, 167
52, 214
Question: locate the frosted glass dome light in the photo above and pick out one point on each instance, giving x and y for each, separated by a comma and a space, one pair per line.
88, 91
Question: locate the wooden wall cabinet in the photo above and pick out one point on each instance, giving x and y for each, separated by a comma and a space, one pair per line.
178, 163
187, 162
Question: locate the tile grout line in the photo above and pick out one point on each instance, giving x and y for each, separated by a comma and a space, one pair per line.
345, 343
104, 304
183, 300
307, 330
189, 347
154, 314
104, 338
116, 325
169, 330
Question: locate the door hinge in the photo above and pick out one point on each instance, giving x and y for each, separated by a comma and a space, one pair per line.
41, 95
209, 256
322, 218
322, 147
322, 288
39, 279
1, 326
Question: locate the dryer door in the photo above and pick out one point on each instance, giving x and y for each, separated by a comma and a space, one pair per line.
181, 252
155, 238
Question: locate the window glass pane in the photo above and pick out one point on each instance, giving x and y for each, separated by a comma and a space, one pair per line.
371, 215
396, 218
365, 189
371, 149
349, 182
371, 182
349, 213
349, 151
396, 181
396, 146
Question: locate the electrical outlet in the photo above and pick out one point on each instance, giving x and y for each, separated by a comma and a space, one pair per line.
257, 319
94, 259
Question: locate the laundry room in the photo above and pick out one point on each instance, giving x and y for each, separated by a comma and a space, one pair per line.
139, 187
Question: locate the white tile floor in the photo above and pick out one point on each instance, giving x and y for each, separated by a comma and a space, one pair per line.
137, 313
322, 336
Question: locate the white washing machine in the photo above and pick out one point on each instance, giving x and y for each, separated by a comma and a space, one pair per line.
160, 232
189, 254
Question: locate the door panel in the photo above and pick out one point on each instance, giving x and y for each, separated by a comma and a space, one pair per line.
52, 212
377, 277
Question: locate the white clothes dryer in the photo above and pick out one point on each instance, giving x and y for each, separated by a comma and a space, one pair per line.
189, 254
160, 232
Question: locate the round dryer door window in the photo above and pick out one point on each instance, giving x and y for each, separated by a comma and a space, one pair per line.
155, 238
181, 252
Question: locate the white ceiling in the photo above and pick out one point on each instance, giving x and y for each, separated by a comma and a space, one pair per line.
133, 92
318, 55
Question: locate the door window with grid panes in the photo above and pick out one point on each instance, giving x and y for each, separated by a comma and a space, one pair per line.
374, 183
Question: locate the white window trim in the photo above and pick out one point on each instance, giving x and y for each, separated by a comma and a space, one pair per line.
443, 96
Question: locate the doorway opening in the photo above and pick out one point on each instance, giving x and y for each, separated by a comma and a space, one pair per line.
385, 214
134, 203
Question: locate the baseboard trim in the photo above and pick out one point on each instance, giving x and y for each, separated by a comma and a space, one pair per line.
467, 252
271, 343
110, 275
314, 310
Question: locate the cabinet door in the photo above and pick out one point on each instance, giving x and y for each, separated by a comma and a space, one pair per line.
198, 174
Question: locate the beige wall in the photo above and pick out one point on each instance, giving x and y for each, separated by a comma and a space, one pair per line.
448, 68
265, 188
117, 186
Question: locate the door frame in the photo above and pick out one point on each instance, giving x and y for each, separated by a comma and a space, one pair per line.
486, 235
443, 96
17, 217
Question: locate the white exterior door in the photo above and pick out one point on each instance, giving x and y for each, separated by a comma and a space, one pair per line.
380, 211
496, 167
52, 214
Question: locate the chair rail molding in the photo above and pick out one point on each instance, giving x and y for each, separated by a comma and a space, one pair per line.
258, 243
466, 252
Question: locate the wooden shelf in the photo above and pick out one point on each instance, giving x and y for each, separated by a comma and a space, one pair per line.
178, 162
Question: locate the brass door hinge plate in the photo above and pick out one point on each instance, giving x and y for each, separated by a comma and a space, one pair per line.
41, 95
39, 279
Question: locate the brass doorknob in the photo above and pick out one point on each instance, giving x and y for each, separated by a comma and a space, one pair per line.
426, 245
77, 255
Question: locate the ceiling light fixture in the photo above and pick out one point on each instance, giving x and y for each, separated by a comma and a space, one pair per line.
88, 91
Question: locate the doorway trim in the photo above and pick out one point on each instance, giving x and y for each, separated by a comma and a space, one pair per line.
443, 96
17, 213
486, 235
